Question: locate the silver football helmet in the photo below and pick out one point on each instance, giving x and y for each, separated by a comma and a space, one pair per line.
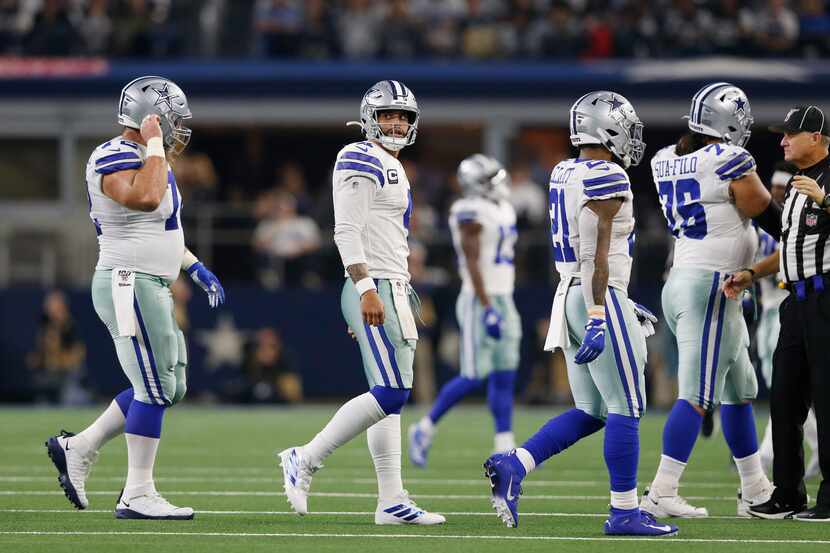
484, 176
608, 119
721, 110
388, 95
156, 95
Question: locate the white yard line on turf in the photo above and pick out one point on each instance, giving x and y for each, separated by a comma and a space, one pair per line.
673, 539
339, 513
242, 493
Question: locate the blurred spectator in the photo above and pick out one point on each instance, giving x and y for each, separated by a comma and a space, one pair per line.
815, 29
279, 24
97, 27
636, 31
686, 28
287, 242
479, 32
776, 28
270, 371
291, 180
53, 33
400, 35
599, 36
57, 364
319, 34
359, 25
10, 21
527, 197
138, 30
558, 35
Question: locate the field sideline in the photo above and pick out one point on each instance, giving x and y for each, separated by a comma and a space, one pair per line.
221, 462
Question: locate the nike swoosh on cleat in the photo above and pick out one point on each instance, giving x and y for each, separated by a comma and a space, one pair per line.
510, 496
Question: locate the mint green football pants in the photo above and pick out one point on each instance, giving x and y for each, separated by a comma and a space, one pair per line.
155, 359
481, 354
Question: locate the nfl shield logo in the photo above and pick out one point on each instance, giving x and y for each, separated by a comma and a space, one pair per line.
811, 219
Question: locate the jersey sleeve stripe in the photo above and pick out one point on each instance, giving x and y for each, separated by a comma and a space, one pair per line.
353, 166
117, 157
606, 190
605, 179
466, 216
734, 162
363, 157
114, 167
739, 171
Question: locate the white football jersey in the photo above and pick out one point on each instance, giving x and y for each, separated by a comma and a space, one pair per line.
710, 233
497, 241
575, 182
147, 242
372, 207
771, 294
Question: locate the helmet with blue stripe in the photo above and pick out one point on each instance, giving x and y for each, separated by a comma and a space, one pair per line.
608, 119
721, 110
484, 176
160, 96
387, 96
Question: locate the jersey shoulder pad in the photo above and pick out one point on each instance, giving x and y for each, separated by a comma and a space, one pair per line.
115, 155
466, 210
360, 158
602, 180
729, 162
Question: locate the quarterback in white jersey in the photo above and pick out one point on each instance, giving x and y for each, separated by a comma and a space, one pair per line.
372, 209
591, 225
709, 190
483, 227
135, 206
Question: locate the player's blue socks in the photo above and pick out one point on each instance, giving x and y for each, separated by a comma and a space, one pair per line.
144, 419
622, 451
391, 400
738, 423
124, 399
681, 430
561, 432
451, 393
500, 398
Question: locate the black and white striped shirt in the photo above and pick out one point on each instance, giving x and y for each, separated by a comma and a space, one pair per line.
805, 229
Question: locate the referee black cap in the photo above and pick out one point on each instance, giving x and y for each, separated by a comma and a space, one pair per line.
803, 119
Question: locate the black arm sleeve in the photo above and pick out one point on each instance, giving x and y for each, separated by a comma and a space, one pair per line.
770, 220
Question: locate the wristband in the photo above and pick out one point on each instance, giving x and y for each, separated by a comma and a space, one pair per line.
596, 312
364, 285
751, 273
155, 147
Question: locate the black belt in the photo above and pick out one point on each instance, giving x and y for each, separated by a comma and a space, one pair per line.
800, 287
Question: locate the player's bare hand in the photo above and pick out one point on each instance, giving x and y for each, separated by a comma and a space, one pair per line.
809, 187
351, 333
150, 127
372, 308
736, 283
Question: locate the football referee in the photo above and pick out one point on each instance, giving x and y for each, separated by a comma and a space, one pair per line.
801, 363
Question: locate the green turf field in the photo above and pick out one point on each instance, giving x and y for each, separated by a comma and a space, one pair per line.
221, 462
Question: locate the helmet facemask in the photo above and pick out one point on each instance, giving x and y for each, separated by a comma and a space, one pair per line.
374, 131
176, 135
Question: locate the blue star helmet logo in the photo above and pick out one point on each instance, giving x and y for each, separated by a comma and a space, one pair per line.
739, 104
164, 96
614, 102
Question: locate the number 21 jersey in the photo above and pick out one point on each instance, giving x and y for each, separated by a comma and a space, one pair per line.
710, 233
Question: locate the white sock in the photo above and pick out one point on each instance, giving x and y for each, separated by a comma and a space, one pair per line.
107, 426
426, 425
753, 479
504, 442
141, 456
526, 459
667, 479
624, 500
766, 446
811, 432
355, 416
384, 439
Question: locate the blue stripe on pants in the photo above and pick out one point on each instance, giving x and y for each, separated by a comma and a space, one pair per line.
149, 350
716, 354
143, 370
376, 353
616, 347
629, 351
390, 350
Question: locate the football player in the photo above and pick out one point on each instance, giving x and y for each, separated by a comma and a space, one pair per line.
135, 206
592, 225
709, 190
372, 208
483, 227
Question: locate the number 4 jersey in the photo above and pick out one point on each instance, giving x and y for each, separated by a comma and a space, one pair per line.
574, 183
710, 233
148, 242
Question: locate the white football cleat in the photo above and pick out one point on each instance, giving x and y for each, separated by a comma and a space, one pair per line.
296, 473
670, 506
403, 510
74, 464
744, 504
150, 506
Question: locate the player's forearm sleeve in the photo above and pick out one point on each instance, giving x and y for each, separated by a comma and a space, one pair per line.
588, 233
770, 220
352, 198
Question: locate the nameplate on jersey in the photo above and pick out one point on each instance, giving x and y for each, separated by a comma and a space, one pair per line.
123, 294
400, 297
392, 176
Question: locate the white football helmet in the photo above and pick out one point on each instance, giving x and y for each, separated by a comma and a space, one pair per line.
721, 110
388, 95
150, 94
608, 119
484, 176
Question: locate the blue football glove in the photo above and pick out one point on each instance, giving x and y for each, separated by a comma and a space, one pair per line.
492, 322
208, 282
646, 318
594, 341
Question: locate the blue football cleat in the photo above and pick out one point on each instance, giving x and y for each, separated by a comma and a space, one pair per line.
506, 486
634, 522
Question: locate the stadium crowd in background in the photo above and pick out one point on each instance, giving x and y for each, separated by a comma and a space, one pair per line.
431, 29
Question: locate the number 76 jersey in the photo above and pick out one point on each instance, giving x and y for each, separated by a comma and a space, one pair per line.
574, 183
710, 233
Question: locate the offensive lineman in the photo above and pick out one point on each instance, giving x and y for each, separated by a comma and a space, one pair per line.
135, 206
483, 227
709, 190
372, 207
592, 223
